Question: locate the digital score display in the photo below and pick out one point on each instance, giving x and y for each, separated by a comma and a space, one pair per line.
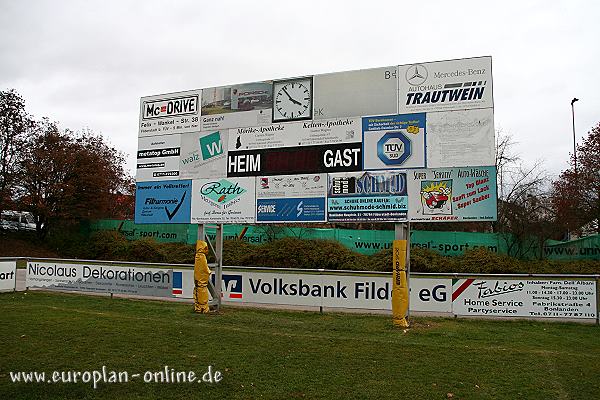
345, 157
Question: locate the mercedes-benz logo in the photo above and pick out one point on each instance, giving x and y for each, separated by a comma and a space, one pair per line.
416, 74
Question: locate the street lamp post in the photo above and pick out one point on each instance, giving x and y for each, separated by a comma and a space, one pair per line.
573, 114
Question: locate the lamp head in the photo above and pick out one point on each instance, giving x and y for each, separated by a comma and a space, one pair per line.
574, 100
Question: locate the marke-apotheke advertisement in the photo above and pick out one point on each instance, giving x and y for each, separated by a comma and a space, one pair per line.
459, 138
296, 134
248, 104
362, 92
8, 272
100, 278
226, 200
166, 114
533, 298
452, 194
158, 158
367, 196
291, 198
395, 141
203, 155
445, 85
166, 202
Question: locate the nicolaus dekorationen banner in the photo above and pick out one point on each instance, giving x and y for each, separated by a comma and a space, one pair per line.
118, 279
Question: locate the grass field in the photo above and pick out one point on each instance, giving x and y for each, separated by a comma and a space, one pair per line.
281, 355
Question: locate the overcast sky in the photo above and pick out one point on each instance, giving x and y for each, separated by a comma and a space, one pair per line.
87, 63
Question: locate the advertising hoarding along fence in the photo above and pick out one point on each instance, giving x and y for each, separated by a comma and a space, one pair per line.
407, 118
8, 271
556, 298
101, 278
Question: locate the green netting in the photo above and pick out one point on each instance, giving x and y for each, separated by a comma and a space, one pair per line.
361, 241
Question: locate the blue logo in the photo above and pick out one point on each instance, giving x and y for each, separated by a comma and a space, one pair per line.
232, 285
394, 148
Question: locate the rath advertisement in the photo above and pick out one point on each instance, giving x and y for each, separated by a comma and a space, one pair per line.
203, 155
166, 202
247, 104
100, 278
367, 196
158, 158
525, 298
231, 200
364, 92
445, 85
171, 113
459, 138
291, 198
8, 272
452, 194
395, 141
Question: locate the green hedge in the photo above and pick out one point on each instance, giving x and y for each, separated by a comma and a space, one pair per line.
327, 254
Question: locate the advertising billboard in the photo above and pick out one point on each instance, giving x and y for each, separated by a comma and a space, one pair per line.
428, 122
460, 138
351, 93
395, 141
367, 196
230, 200
445, 85
163, 202
452, 194
158, 158
248, 104
291, 198
203, 155
171, 113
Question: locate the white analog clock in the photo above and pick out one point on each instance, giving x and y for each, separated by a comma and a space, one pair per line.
292, 99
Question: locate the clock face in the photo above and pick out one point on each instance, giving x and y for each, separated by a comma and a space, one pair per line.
293, 100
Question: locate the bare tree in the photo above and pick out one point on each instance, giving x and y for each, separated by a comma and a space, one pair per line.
525, 214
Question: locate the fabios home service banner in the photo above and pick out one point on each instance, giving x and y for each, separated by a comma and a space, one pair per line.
424, 124
115, 279
544, 298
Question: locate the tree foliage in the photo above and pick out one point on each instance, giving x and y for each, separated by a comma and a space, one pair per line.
68, 177
14, 125
58, 175
576, 193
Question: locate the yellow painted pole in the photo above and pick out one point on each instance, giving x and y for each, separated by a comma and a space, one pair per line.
201, 277
399, 285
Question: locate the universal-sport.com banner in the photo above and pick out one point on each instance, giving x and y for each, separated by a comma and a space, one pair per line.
533, 298
121, 279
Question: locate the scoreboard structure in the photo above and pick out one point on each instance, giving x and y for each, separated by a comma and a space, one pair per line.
401, 143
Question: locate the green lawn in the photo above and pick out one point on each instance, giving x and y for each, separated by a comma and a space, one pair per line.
280, 355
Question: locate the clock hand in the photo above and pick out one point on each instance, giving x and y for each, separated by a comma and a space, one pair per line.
290, 97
